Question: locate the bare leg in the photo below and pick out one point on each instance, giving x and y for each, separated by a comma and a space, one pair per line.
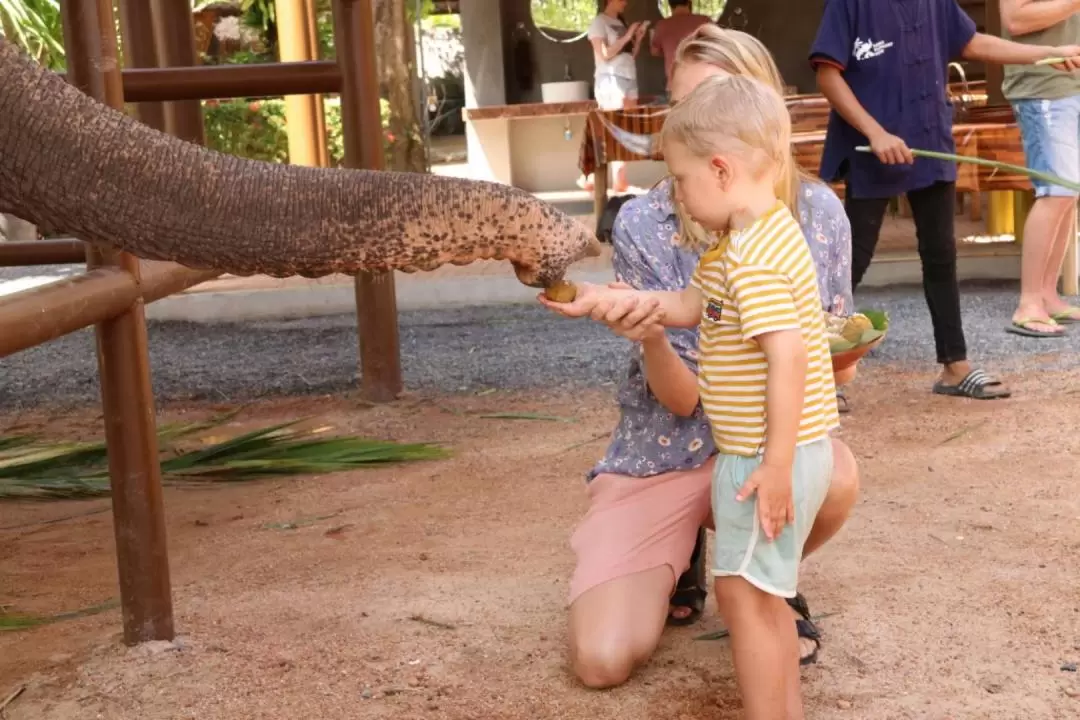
834, 512
1045, 235
616, 626
1052, 301
764, 648
843, 492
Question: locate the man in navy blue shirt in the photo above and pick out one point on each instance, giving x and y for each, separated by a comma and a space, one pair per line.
882, 64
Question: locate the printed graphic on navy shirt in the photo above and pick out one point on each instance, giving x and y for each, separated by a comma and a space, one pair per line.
894, 55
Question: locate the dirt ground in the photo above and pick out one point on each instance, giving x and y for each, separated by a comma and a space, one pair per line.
437, 590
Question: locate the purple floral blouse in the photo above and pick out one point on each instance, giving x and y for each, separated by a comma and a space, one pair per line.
650, 440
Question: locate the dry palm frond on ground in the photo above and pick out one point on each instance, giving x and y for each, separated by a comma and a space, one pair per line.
34, 468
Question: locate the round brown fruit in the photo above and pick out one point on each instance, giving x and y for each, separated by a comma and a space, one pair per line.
561, 292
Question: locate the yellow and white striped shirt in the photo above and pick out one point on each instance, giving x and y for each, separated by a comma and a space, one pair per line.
758, 280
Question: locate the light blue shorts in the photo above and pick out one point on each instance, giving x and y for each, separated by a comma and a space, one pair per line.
1051, 133
741, 546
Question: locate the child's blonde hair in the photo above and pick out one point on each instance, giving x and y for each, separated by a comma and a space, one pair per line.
735, 115
740, 54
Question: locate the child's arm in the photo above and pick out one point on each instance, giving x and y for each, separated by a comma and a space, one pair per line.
785, 388
671, 308
765, 302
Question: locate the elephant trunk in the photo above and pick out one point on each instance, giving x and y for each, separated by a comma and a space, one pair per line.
72, 164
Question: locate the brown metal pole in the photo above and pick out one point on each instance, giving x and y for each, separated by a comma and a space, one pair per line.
376, 302
174, 37
42, 252
162, 279
126, 394
35, 316
137, 28
142, 85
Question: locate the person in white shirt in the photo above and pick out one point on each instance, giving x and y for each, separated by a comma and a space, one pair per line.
615, 49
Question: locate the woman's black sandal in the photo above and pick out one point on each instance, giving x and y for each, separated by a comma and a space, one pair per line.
692, 587
805, 627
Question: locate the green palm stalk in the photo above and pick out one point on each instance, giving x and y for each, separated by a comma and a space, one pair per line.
1045, 177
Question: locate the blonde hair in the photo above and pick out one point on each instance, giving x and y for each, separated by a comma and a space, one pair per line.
740, 54
735, 115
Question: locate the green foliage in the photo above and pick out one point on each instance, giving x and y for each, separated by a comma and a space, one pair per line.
571, 16
30, 468
256, 129
34, 25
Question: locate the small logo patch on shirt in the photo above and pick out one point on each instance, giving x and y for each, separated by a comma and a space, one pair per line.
713, 310
866, 49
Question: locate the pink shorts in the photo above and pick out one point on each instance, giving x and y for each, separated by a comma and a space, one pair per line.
636, 524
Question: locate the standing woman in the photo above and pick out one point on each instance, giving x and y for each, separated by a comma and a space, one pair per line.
615, 48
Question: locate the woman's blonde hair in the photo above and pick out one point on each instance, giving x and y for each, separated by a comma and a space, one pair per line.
740, 54
735, 115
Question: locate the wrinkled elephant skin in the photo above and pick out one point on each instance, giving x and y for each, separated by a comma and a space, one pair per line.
72, 164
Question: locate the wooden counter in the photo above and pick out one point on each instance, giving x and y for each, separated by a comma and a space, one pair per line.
528, 110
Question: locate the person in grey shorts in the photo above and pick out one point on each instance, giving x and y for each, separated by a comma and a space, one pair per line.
1046, 103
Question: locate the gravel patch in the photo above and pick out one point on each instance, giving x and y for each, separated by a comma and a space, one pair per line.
457, 350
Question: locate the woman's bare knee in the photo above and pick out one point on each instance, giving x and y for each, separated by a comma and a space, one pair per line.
844, 486
603, 665
616, 626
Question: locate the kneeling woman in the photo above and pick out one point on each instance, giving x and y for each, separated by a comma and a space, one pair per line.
650, 494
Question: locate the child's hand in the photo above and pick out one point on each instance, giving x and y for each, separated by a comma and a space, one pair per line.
608, 305
775, 506
638, 323
587, 298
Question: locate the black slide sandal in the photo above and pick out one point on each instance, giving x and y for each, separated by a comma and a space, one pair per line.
805, 627
692, 586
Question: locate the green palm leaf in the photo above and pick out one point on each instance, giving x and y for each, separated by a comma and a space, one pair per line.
30, 468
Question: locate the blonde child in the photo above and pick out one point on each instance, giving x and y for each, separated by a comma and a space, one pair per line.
764, 369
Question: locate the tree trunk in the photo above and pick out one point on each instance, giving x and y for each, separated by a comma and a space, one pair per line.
397, 73
76, 165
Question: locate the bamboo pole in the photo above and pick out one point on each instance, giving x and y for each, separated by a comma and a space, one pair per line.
301, 111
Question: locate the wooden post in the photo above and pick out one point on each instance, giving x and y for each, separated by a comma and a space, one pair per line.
1022, 202
1000, 221
174, 36
126, 394
376, 301
137, 28
301, 111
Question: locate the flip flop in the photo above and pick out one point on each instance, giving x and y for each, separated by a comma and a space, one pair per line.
977, 385
1068, 316
1023, 327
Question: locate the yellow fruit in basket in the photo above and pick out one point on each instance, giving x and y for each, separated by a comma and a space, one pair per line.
855, 326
